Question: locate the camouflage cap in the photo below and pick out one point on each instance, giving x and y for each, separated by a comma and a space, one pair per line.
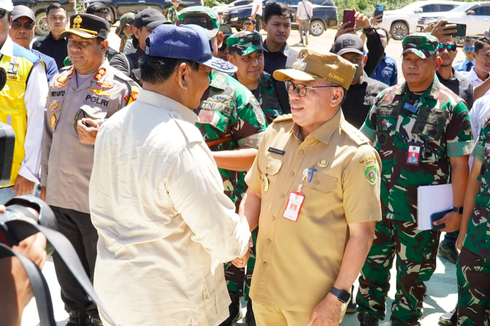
423, 45
245, 42
312, 65
201, 16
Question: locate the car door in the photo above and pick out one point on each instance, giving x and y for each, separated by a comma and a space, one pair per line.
480, 20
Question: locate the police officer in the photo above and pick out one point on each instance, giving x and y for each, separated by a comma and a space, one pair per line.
231, 122
247, 53
418, 118
21, 106
314, 193
80, 98
473, 267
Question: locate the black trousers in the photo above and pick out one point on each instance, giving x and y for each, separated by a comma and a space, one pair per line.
78, 228
258, 23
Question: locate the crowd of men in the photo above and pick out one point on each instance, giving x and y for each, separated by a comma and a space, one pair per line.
190, 168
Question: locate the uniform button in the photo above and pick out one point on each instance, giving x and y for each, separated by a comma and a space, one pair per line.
283, 195
268, 166
273, 218
316, 182
291, 173
265, 264
301, 152
268, 241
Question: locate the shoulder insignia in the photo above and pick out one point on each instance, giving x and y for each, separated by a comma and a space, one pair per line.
100, 74
355, 134
284, 117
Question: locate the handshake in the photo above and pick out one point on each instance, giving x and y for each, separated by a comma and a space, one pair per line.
241, 262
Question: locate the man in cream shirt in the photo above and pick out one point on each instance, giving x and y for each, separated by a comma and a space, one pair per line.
156, 196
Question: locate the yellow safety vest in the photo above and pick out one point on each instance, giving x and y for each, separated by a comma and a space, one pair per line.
12, 109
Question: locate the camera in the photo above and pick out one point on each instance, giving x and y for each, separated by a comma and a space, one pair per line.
30, 207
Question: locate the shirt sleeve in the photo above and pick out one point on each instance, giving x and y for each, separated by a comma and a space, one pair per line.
375, 52
250, 122
368, 128
197, 193
483, 140
34, 101
361, 185
458, 136
253, 179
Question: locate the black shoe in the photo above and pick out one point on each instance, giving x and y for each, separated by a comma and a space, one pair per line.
235, 312
367, 319
77, 318
448, 252
249, 316
91, 321
351, 307
449, 318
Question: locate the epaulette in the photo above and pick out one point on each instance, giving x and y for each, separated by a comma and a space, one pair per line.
65, 68
284, 117
355, 134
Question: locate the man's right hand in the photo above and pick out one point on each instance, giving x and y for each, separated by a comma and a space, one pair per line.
440, 31
241, 262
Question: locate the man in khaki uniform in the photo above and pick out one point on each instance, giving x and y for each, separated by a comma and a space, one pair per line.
314, 192
80, 98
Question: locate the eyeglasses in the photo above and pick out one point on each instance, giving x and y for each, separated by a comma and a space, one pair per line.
247, 24
448, 47
471, 48
302, 89
18, 24
3, 12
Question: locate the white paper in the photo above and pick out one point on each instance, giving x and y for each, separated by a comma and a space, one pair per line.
432, 199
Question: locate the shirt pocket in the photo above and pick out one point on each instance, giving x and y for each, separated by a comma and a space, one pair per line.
319, 195
430, 129
210, 299
271, 175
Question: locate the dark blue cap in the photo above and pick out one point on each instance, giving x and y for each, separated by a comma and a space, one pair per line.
187, 42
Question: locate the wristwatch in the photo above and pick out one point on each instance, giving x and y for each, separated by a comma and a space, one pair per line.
342, 295
458, 210
368, 30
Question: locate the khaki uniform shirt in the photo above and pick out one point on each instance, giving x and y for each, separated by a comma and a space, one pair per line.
66, 162
298, 262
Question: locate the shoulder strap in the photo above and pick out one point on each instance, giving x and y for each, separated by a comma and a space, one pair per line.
306, 9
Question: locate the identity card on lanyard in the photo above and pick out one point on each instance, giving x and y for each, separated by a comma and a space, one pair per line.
296, 200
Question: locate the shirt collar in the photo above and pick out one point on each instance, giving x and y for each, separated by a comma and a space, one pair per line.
7, 47
283, 50
326, 130
161, 101
474, 77
431, 92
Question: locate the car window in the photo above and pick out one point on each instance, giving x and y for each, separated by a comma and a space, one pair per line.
322, 2
482, 11
446, 7
429, 8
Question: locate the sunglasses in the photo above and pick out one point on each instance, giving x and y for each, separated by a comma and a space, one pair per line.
27, 25
248, 24
471, 48
3, 12
448, 47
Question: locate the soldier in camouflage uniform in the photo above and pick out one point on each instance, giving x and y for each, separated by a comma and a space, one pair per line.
247, 53
473, 269
172, 11
231, 122
423, 134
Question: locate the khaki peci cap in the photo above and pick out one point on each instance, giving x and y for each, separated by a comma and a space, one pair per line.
312, 65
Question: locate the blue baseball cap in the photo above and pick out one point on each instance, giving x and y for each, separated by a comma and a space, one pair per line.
187, 42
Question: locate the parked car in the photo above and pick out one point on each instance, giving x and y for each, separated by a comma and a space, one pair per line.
476, 16
402, 22
324, 14
120, 7
39, 9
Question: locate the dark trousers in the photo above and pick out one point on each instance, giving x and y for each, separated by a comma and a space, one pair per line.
450, 238
258, 23
78, 228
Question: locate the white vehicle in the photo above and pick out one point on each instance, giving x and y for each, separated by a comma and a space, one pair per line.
402, 22
475, 15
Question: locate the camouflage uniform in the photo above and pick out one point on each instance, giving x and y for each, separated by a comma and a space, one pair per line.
473, 270
229, 109
438, 122
172, 14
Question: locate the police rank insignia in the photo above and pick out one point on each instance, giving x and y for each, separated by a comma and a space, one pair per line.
370, 174
99, 74
77, 21
53, 121
100, 92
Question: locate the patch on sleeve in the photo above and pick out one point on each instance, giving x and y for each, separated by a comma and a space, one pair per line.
370, 172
